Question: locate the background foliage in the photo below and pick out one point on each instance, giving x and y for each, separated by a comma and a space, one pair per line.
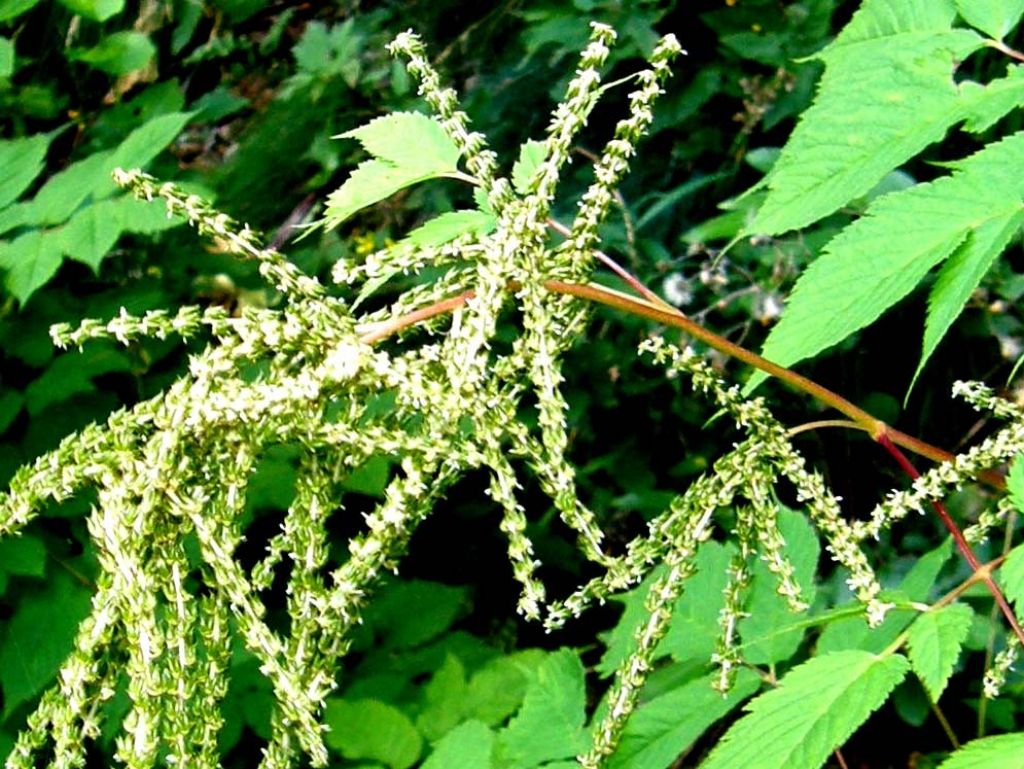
238, 100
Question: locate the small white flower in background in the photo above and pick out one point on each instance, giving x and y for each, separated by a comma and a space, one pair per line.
677, 290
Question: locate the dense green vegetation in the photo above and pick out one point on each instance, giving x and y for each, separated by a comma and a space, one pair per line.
854, 163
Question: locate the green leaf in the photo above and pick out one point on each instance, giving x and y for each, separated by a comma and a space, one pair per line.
496, 690
117, 54
768, 611
934, 645
408, 147
22, 160
993, 17
1015, 482
91, 233
880, 258
411, 612
816, 707
39, 637
444, 700
960, 275
1011, 576
467, 746
531, 155
24, 556
96, 10
373, 730
29, 261
409, 140
10, 9
11, 402
886, 94
6, 58
71, 374
448, 226
854, 632
550, 724
660, 730
985, 104
1004, 751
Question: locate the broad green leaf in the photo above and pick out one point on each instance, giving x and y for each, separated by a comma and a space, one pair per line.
6, 58
448, 226
993, 17
412, 612
815, 709
29, 261
467, 746
496, 690
65, 191
10, 9
934, 645
39, 637
96, 10
1004, 751
444, 700
118, 53
22, 160
373, 730
855, 633
767, 610
549, 726
881, 258
24, 556
409, 140
985, 104
90, 234
663, 728
531, 155
886, 94
1015, 482
140, 146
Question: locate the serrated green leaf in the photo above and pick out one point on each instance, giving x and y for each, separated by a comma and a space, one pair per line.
880, 258
39, 637
371, 182
448, 226
118, 53
934, 645
467, 746
374, 730
531, 155
886, 94
816, 707
854, 632
96, 10
993, 17
89, 235
960, 275
409, 140
1004, 751
1011, 576
985, 104
1015, 482
22, 160
549, 726
660, 730
29, 261
767, 610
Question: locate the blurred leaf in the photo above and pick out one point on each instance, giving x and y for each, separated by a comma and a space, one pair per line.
467, 746
10, 9
39, 637
23, 556
444, 700
411, 612
22, 160
118, 53
1015, 483
549, 726
72, 373
95, 10
1004, 751
29, 261
6, 59
993, 17
373, 730
496, 690
11, 402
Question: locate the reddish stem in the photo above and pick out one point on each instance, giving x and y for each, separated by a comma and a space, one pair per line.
961, 543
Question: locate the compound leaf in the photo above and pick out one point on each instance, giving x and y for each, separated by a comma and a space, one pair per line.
886, 94
816, 707
880, 258
1005, 751
934, 644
